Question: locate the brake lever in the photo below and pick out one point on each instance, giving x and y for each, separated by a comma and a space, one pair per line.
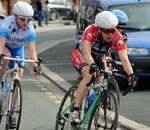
39, 61
1, 60
127, 91
129, 88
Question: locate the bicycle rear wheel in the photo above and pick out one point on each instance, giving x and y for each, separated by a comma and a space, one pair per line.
78, 80
113, 87
18, 106
61, 123
105, 114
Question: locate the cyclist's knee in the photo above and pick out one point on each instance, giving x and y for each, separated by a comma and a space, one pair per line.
85, 73
8, 54
20, 73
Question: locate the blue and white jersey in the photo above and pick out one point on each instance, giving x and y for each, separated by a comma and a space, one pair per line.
16, 36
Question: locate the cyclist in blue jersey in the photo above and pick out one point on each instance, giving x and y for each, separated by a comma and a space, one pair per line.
15, 31
122, 21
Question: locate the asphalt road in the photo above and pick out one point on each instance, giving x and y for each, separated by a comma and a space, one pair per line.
41, 100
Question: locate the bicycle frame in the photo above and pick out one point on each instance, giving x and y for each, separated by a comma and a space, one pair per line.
103, 87
14, 76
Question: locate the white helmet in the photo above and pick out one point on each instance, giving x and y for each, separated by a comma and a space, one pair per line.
23, 9
106, 19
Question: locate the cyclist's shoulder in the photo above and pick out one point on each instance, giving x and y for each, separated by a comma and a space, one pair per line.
91, 30
118, 40
8, 21
117, 36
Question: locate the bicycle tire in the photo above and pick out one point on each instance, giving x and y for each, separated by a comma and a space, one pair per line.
113, 87
78, 80
18, 109
99, 118
67, 99
1, 100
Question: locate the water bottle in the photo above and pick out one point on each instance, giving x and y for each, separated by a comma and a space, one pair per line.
90, 100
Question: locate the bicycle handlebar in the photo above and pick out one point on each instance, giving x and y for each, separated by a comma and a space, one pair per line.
129, 88
2, 56
112, 73
114, 62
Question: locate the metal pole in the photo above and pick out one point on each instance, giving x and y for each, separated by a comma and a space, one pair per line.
8, 6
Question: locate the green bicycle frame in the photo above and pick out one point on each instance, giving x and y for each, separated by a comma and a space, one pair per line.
82, 123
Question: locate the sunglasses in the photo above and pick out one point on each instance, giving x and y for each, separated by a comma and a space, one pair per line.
121, 27
24, 19
108, 31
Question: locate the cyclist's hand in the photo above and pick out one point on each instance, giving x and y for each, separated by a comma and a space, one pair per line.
37, 70
92, 70
133, 80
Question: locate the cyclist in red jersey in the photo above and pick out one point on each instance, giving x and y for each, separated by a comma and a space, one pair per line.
96, 43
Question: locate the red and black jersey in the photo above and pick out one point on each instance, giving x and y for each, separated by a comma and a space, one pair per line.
99, 46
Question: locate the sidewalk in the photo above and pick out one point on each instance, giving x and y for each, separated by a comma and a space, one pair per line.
124, 123
54, 25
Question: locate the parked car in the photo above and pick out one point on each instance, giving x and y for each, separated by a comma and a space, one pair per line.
60, 9
137, 29
2, 12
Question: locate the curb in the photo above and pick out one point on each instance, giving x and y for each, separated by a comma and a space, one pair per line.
65, 22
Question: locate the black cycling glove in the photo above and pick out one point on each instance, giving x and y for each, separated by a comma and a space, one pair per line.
133, 78
93, 68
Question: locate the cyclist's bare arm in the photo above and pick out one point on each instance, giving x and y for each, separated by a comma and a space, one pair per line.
87, 52
33, 55
125, 61
2, 44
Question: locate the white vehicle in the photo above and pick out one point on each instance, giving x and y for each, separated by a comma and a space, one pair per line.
2, 12
60, 9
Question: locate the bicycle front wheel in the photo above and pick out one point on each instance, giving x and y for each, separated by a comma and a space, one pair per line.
61, 123
17, 104
105, 114
1, 100
113, 87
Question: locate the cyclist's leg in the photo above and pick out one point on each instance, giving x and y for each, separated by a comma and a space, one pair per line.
83, 89
83, 67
